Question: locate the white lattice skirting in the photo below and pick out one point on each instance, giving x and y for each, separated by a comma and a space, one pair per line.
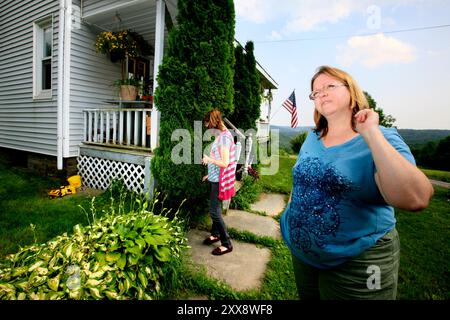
98, 173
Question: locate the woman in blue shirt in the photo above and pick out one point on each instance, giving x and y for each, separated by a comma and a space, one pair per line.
350, 173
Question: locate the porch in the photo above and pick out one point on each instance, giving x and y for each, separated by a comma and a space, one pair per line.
123, 128
116, 145
118, 139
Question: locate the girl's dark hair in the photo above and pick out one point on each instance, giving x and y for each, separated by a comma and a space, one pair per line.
213, 120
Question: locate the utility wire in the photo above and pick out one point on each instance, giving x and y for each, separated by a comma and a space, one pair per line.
358, 35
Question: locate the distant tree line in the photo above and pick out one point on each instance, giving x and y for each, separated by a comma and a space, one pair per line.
434, 155
297, 141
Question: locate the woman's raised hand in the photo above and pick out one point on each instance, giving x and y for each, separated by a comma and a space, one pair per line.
366, 121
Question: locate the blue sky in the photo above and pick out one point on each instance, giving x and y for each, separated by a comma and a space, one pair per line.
407, 73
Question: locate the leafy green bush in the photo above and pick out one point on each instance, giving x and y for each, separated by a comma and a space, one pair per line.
297, 142
434, 155
128, 256
385, 120
246, 195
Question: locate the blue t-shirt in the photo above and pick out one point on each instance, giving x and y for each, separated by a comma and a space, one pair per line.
337, 211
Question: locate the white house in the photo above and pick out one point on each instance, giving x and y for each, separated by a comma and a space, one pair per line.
56, 97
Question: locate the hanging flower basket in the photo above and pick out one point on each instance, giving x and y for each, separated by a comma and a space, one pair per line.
120, 44
116, 55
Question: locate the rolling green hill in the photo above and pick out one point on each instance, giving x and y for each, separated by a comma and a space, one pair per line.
417, 138
414, 138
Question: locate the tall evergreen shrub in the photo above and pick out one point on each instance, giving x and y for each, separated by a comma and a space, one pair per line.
247, 88
196, 76
241, 89
255, 83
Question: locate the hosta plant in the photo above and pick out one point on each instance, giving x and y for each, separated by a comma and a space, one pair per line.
123, 256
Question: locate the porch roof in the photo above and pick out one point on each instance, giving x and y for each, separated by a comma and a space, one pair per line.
138, 15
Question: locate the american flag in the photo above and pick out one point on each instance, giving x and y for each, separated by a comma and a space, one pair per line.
290, 105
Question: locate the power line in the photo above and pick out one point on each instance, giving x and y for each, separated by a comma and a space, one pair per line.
359, 35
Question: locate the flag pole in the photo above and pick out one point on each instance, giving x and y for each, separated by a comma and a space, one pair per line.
275, 113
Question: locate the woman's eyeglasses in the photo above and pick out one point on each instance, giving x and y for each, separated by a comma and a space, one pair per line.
315, 94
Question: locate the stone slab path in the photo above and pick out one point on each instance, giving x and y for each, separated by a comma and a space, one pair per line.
243, 268
440, 183
256, 224
270, 203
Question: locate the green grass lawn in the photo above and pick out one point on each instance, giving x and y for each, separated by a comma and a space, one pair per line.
24, 201
281, 182
425, 253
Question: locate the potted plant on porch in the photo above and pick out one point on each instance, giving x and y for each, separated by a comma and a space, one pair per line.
128, 88
119, 46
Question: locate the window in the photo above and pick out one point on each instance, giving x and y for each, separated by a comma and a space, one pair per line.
42, 59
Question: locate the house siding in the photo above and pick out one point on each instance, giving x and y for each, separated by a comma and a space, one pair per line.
92, 76
26, 124
93, 6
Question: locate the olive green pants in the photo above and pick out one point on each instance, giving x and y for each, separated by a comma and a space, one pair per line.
371, 275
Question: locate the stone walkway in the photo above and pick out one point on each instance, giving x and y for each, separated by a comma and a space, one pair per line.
256, 224
234, 268
270, 203
440, 183
244, 268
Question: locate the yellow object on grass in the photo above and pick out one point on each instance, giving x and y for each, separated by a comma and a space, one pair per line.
75, 181
74, 184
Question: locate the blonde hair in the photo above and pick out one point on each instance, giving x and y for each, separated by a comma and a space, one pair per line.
214, 120
358, 100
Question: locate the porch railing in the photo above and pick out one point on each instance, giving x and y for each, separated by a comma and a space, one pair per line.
118, 127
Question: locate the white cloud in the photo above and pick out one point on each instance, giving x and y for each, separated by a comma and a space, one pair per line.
255, 10
299, 16
312, 14
374, 51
